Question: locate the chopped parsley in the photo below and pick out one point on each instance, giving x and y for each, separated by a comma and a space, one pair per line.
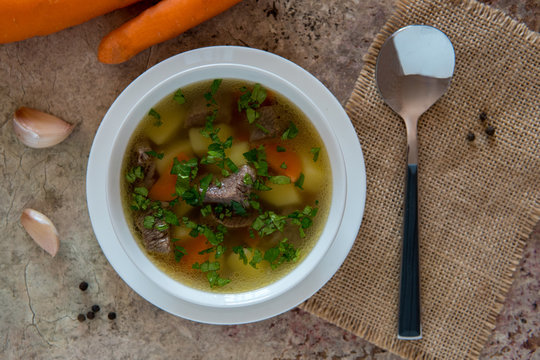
241, 253
249, 101
300, 182
134, 173
209, 96
291, 132
153, 113
148, 222
280, 149
269, 222
155, 154
283, 165
304, 218
257, 258
315, 151
280, 179
139, 200
179, 251
179, 97
284, 252
211, 269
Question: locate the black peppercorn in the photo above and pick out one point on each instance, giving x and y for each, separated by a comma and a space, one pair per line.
483, 116
470, 136
112, 315
83, 286
90, 315
81, 317
490, 130
95, 308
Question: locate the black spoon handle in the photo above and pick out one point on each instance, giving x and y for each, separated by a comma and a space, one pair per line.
409, 295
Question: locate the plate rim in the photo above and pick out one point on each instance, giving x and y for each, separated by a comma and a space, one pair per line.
340, 247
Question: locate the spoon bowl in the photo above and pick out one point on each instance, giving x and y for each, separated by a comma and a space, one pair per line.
414, 69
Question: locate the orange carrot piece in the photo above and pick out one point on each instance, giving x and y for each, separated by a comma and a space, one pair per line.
164, 188
193, 246
163, 21
22, 19
275, 159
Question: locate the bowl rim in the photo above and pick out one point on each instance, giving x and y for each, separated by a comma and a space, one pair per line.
129, 123
239, 54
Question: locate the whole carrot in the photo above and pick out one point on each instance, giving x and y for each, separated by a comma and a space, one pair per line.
22, 19
163, 21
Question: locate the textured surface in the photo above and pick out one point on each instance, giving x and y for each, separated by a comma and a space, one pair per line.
39, 296
475, 198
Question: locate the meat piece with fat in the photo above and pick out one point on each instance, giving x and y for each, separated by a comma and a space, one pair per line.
233, 188
154, 240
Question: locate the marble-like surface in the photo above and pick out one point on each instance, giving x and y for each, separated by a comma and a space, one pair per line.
39, 295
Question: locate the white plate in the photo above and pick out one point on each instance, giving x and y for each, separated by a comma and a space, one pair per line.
97, 183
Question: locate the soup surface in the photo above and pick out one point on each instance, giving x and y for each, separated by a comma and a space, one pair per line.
227, 185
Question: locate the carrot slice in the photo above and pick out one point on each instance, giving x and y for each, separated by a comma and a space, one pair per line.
163, 21
276, 159
22, 19
165, 187
193, 247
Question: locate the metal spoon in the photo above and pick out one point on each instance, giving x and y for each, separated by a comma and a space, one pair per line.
413, 71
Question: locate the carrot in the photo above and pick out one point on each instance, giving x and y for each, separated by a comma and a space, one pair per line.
193, 246
22, 19
275, 159
164, 188
163, 21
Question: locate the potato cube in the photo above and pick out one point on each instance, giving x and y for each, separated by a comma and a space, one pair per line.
236, 153
281, 195
200, 143
313, 174
172, 118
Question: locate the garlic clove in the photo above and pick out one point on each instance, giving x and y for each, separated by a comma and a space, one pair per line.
37, 129
41, 229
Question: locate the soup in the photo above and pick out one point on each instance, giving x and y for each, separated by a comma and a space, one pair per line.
226, 185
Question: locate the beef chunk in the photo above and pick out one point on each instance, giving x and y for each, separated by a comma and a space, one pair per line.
236, 221
197, 117
142, 159
154, 240
232, 188
270, 121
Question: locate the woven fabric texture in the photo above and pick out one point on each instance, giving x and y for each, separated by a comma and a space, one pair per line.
478, 200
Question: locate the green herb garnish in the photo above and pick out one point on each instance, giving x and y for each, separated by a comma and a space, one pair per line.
280, 149
269, 222
291, 132
211, 269
256, 258
179, 97
241, 253
134, 174
209, 96
179, 252
153, 113
315, 151
148, 222
284, 252
155, 154
280, 179
300, 182
304, 218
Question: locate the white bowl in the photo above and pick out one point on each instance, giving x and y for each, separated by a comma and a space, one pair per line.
159, 81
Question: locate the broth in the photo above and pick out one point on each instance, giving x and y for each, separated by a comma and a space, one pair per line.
228, 210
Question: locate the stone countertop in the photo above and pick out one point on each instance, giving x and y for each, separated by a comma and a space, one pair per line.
39, 295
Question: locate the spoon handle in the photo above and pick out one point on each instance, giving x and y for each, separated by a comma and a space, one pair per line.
409, 295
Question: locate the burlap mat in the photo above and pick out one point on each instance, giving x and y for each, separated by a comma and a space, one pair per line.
478, 200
